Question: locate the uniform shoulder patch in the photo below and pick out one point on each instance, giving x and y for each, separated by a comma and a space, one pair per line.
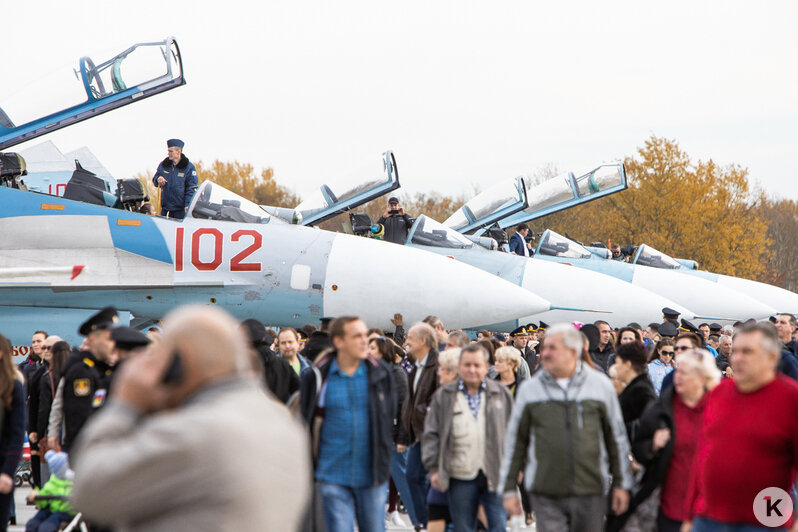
81, 387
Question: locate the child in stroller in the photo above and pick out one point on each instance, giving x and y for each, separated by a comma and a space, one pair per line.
54, 509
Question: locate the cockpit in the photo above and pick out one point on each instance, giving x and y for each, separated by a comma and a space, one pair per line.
428, 232
648, 256
556, 245
214, 202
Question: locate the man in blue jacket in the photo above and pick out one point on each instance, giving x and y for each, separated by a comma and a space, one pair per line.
177, 178
518, 241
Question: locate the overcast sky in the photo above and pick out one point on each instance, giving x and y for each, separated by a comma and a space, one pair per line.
463, 92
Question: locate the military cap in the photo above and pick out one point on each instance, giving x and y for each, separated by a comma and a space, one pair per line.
531, 327
715, 327
668, 329
175, 143
670, 314
520, 331
689, 327
104, 319
128, 338
500, 337
543, 326
303, 336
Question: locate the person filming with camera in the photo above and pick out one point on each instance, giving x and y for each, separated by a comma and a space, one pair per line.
396, 222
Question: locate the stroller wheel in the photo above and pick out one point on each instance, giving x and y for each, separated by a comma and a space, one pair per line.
18, 481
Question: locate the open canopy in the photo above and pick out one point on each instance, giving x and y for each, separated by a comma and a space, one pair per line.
500, 201
214, 202
365, 184
648, 256
567, 190
61, 99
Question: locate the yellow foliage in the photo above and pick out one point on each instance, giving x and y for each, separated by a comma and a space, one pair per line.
698, 211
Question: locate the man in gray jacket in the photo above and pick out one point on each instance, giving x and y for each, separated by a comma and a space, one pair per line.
568, 431
163, 454
463, 441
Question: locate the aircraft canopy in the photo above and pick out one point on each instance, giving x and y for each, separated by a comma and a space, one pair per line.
428, 232
556, 245
501, 200
648, 256
214, 202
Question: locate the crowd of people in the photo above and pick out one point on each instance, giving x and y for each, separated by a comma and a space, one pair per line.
207, 423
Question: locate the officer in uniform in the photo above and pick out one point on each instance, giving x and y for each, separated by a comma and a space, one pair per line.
87, 373
519, 339
177, 178
670, 315
668, 330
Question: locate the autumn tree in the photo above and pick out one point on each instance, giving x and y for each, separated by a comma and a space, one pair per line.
697, 210
782, 263
240, 178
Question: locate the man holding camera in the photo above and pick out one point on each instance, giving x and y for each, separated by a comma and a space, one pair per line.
396, 222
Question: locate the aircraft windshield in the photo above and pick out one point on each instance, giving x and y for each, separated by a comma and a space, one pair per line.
555, 245
648, 256
506, 193
428, 232
560, 189
364, 184
213, 202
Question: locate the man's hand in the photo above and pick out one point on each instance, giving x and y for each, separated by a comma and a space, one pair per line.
53, 443
433, 479
400, 448
397, 320
32, 495
729, 372
620, 501
33, 437
513, 505
687, 526
6, 483
138, 382
661, 439
161, 181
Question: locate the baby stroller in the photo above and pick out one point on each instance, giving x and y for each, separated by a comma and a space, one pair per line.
77, 522
23, 473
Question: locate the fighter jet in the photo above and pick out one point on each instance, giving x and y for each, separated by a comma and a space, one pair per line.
60, 258
704, 299
778, 298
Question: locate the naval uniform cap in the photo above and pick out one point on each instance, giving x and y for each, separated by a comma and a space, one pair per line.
520, 331
543, 326
715, 327
668, 329
531, 327
128, 338
104, 319
688, 327
175, 143
670, 314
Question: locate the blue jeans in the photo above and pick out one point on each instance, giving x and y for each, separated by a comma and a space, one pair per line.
465, 497
399, 476
702, 524
343, 505
418, 483
46, 521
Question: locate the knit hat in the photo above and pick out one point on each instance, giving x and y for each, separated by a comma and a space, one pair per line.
58, 463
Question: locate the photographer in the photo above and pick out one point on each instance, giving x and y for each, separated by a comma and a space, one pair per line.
396, 222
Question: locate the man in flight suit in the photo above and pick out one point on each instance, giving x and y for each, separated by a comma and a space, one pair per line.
177, 178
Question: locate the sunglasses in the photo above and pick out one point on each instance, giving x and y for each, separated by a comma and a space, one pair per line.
46, 347
666, 353
681, 348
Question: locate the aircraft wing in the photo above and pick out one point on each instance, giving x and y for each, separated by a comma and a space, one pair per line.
142, 70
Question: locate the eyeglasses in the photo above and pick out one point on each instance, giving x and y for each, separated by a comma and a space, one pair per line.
666, 353
46, 347
681, 348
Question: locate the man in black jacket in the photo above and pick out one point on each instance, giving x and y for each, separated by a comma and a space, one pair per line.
349, 402
278, 375
396, 222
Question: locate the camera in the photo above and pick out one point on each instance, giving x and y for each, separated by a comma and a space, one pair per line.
393, 211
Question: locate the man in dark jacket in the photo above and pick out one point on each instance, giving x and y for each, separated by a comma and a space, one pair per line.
421, 341
603, 355
396, 222
349, 402
177, 178
278, 375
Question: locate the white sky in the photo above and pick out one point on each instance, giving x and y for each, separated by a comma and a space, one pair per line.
463, 92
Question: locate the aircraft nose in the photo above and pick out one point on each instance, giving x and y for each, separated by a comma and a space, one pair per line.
417, 283
707, 299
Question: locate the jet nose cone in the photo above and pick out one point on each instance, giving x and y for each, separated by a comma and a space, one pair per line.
778, 298
416, 284
707, 299
583, 295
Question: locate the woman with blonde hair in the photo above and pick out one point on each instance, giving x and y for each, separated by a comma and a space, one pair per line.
666, 438
506, 362
12, 400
